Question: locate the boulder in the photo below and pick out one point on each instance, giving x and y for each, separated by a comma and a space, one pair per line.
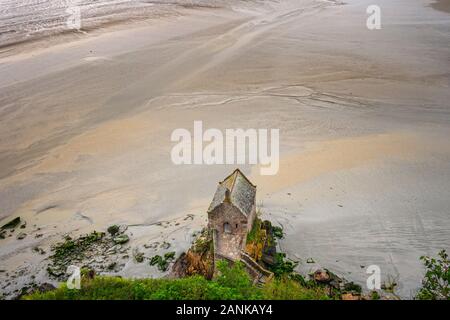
44, 287
113, 230
322, 276
21, 236
121, 239
11, 224
350, 296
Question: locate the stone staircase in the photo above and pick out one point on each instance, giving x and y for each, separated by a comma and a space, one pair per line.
259, 274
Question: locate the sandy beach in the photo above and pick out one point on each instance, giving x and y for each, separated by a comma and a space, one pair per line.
364, 119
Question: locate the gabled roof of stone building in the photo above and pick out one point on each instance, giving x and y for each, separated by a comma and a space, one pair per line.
236, 189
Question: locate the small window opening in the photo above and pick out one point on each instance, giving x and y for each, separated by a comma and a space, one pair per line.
226, 227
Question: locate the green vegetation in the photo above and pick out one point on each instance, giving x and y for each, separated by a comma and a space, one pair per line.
112, 230
138, 256
282, 265
204, 242
437, 277
374, 295
261, 240
70, 247
70, 250
162, 262
231, 283
277, 232
255, 233
286, 288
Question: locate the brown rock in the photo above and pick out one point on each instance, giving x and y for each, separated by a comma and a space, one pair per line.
350, 296
322, 276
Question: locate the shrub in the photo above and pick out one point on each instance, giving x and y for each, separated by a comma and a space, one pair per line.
435, 283
277, 232
282, 266
236, 278
285, 288
231, 283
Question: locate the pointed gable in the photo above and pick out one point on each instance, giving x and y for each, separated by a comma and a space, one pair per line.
236, 189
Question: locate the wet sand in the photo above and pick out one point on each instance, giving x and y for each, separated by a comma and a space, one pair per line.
364, 121
442, 5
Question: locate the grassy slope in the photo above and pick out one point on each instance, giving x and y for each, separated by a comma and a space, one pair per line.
232, 283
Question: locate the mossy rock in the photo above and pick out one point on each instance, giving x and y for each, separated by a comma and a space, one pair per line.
155, 260
138, 256
162, 262
121, 239
277, 232
169, 255
113, 230
11, 224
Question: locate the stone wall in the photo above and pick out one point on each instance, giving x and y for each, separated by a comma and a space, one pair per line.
228, 242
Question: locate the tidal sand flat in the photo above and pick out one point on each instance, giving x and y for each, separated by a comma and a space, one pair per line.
364, 121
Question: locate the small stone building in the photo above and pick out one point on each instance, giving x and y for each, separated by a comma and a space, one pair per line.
231, 215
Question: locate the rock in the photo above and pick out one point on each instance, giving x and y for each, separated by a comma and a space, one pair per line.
11, 224
353, 287
310, 260
38, 250
123, 228
350, 296
139, 257
23, 225
54, 272
121, 239
322, 276
111, 266
46, 287
269, 255
165, 245
113, 230
21, 236
2, 234
169, 255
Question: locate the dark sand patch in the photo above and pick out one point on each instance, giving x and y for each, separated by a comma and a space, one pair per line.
441, 5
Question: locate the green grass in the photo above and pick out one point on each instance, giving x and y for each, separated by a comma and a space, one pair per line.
232, 283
